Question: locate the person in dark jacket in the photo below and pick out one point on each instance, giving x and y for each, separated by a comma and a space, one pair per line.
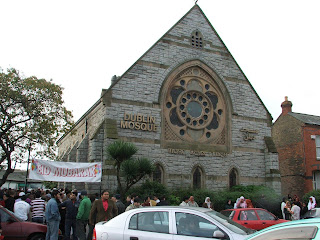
71, 206
163, 202
121, 207
9, 200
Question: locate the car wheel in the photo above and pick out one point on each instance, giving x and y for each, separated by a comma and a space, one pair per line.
38, 236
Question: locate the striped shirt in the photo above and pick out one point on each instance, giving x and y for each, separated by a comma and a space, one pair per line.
37, 207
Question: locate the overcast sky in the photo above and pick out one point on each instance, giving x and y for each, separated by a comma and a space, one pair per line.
82, 44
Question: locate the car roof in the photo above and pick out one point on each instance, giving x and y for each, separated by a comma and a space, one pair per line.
199, 209
296, 222
238, 209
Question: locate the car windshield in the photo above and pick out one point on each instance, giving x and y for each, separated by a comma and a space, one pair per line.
12, 213
312, 213
230, 224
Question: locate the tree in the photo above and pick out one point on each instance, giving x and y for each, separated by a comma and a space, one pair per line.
32, 117
130, 169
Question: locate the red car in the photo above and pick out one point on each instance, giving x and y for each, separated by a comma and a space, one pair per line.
254, 218
14, 228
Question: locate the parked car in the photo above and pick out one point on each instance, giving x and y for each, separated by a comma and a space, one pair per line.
15, 228
301, 229
170, 223
313, 213
254, 218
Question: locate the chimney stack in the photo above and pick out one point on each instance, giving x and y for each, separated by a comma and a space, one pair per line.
286, 106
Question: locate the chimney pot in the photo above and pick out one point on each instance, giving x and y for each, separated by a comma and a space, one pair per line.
286, 106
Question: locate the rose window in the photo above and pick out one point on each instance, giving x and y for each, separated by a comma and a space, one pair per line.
194, 108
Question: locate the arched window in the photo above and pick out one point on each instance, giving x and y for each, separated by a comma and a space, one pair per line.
233, 178
196, 39
158, 174
197, 178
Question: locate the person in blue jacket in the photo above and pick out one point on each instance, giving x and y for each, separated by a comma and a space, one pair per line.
53, 216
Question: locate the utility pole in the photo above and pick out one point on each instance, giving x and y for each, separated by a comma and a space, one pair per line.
25, 187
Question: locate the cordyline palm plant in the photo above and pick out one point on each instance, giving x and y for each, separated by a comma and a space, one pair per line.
131, 169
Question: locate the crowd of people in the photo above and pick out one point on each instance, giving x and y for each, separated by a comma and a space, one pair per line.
294, 209
71, 212
75, 213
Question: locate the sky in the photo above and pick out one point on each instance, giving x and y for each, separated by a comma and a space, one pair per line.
80, 44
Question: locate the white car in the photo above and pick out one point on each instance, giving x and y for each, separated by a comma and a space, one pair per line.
170, 223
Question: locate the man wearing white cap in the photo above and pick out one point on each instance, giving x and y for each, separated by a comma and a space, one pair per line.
22, 208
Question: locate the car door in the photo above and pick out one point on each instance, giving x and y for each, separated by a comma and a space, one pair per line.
248, 218
11, 227
190, 226
148, 225
266, 219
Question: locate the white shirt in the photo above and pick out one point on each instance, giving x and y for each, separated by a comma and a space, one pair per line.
183, 204
22, 210
296, 212
283, 204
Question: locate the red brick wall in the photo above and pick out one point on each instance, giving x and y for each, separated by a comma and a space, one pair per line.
311, 161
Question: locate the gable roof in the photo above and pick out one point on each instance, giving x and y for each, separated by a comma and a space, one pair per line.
215, 32
196, 6
305, 118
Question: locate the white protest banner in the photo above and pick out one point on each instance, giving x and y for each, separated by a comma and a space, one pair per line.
65, 171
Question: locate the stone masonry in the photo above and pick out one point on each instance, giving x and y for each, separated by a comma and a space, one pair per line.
142, 90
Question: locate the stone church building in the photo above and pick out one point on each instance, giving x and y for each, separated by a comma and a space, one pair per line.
189, 108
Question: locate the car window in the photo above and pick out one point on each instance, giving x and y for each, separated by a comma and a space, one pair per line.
193, 225
4, 216
228, 223
264, 215
228, 214
293, 233
311, 213
248, 215
150, 221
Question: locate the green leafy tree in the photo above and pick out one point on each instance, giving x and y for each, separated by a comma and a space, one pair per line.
32, 117
50, 185
131, 170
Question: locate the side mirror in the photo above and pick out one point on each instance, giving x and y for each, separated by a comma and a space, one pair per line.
276, 218
218, 234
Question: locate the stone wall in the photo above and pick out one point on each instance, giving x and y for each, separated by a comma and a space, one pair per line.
139, 91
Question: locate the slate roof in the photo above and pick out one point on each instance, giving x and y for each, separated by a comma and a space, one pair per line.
307, 119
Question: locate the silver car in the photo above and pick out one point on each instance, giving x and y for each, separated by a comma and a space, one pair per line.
170, 223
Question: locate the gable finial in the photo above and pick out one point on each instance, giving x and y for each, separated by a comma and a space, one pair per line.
195, 2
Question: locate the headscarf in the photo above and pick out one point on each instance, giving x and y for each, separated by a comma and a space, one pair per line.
208, 202
241, 204
249, 203
312, 204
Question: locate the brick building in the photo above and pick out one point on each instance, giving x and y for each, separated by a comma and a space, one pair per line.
189, 108
297, 139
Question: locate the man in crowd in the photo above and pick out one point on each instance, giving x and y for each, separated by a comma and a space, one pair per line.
192, 203
295, 211
53, 216
103, 209
184, 202
83, 215
163, 201
9, 200
136, 204
71, 205
121, 207
38, 207
22, 208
